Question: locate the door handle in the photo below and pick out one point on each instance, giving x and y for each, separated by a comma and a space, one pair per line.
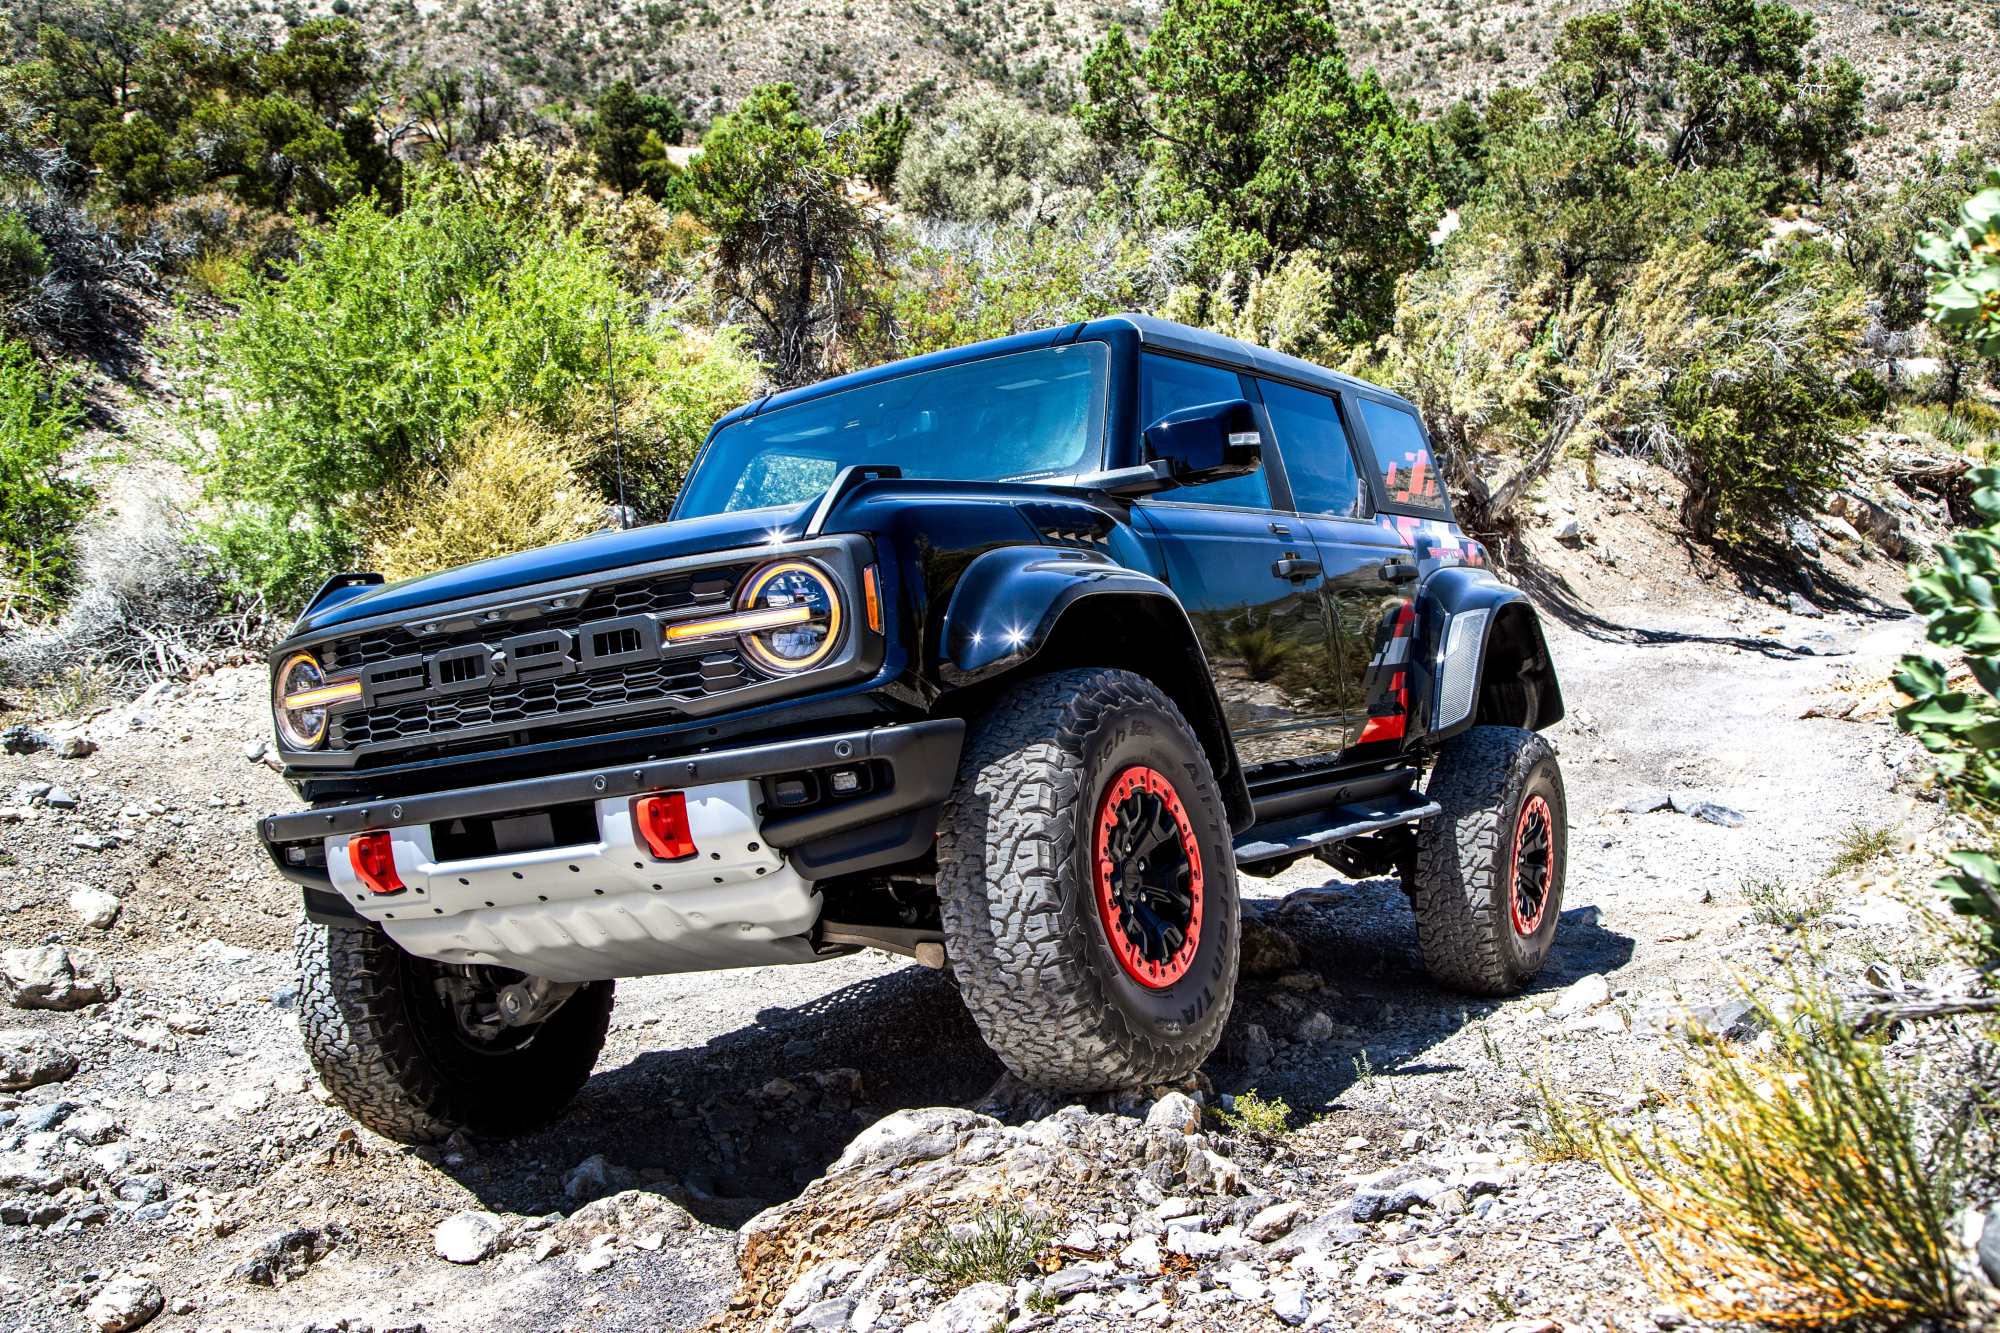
1395, 573
1295, 569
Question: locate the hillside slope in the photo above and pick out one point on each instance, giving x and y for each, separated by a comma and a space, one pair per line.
1932, 66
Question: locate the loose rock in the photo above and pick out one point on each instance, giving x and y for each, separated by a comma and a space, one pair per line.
468, 1237
93, 907
1251, 1049
1276, 1220
1175, 1111
1266, 950
52, 977
1710, 812
29, 1059
123, 1302
1292, 1307
1581, 997
975, 1310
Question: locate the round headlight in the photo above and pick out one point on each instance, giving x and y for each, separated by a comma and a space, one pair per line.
802, 614
299, 728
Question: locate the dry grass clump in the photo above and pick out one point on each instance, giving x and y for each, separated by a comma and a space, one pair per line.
996, 1247
1803, 1193
510, 486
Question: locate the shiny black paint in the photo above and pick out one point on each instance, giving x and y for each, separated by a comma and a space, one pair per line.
985, 583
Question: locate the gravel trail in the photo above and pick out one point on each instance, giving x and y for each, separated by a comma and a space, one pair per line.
190, 1134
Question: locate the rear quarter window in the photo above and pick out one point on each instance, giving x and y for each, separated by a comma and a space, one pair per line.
1402, 457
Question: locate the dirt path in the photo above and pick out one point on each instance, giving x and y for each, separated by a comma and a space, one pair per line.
192, 1082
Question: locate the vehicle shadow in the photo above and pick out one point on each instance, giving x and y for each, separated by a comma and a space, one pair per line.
1389, 1014
739, 1122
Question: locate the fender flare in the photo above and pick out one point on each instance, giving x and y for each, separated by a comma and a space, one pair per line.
1007, 602
1026, 609
1483, 655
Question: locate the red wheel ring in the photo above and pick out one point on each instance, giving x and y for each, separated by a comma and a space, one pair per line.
1146, 869
1531, 869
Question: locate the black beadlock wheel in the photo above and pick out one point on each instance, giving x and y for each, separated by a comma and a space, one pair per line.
1088, 885
1488, 881
398, 1056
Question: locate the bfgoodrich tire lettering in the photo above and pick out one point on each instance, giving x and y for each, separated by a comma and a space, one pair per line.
1500, 788
1015, 876
390, 1052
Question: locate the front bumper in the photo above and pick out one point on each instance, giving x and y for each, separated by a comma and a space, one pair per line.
607, 907
602, 909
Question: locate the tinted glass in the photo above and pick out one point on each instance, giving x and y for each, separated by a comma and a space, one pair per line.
1008, 418
1408, 473
1314, 445
1168, 385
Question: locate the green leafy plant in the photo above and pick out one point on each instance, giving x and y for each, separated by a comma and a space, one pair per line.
995, 1247
350, 374
790, 246
22, 258
1965, 270
1266, 143
1961, 728
40, 507
1254, 1115
1800, 1193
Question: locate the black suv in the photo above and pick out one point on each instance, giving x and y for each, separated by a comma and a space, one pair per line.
1007, 659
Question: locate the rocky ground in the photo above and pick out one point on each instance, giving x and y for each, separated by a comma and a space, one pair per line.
792, 1147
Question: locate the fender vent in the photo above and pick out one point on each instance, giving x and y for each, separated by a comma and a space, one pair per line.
1070, 525
1458, 671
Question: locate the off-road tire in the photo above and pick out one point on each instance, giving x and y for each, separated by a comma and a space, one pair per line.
1021, 912
390, 1054
1463, 884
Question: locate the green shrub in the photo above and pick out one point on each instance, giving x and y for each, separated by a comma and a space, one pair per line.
1965, 268
987, 158
1961, 728
39, 507
1254, 1115
22, 259
353, 371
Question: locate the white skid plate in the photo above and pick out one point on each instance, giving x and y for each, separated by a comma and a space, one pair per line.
604, 909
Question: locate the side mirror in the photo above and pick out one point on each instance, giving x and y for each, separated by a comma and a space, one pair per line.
1212, 442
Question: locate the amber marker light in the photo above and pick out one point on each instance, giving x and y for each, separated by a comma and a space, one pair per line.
873, 598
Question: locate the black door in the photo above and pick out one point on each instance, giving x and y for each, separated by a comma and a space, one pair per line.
1245, 568
1367, 617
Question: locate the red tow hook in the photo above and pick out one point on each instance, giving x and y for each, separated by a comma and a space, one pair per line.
373, 857
662, 820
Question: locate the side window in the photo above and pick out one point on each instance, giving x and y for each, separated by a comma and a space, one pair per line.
1314, 446
1408, 473
1168, 385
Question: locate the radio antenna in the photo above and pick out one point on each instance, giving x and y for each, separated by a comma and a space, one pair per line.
617, 445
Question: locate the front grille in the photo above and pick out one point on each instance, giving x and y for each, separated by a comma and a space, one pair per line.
559, 700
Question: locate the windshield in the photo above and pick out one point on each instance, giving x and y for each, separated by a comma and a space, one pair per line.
1023, 417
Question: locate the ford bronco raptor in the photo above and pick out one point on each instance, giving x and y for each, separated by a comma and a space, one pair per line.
1008, 659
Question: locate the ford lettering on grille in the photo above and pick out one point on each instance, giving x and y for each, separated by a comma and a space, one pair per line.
600, 645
